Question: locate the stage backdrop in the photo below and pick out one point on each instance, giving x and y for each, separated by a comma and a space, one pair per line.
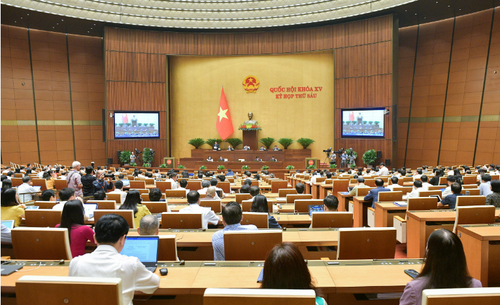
294, 98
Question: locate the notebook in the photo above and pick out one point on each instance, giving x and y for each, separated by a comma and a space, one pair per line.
145, 248
89, 209
316, 208
8, 223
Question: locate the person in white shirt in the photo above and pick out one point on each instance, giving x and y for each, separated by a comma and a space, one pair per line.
417, 187
67, 194
183, 183
208, 216
172, 178
118, 190
106, 261
418, 174
485, 186
25, 191
383, 171
213, 182
394, 184
204, 185
425, 183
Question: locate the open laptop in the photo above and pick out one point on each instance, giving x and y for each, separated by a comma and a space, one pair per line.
437, 196
316, 208
89, 209
8, 223
145, 248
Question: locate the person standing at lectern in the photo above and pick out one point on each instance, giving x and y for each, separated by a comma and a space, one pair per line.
275, 148
216, 146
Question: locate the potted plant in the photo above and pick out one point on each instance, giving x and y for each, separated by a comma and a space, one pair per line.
151, 124
121, 124
376, 123
203, 167
312, 166
163, 165
352, 165
133, 164
139, 124
364, 122
196, 142
290, 167
267, 142
333, 165
265, 167
181, 166
285, 142
369, 157
245, 167
147, 157
125, 157
305, 142
221, 167
234, 142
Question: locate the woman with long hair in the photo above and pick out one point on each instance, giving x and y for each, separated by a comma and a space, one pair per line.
133, 202
49, 179
11, 209
445, 267
285, 268
259, 204
73, 219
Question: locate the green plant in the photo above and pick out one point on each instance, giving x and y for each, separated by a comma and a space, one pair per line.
133, 164
163, 165
221, 167
181, 166
364, 122
146, 164
211, 142
305, 142
370, 122
147, 157
234, 142
267, 142
129, 124
312, 166
285, 142
265, 167
333, 165
377, 122
352, 165
203, 167
369, 157
196, 142
289, 167
139, 124
125, 156
151, 124
245, 167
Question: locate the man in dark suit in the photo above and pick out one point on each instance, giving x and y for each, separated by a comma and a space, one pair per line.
216, 146
373, 194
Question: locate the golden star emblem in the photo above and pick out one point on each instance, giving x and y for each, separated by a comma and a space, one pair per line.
222, 114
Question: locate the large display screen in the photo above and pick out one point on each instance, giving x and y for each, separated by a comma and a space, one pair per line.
363, 123
137, 125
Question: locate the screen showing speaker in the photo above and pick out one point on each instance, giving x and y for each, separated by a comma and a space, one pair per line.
137, 125
363, 123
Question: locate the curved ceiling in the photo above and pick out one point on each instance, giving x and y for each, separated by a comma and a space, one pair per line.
208, 14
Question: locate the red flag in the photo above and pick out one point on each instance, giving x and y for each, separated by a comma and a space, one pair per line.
224, 123
351, 116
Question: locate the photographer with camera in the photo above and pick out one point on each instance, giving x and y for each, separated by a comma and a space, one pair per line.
88, 181
100, 184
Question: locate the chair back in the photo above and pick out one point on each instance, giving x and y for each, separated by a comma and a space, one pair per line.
59, 184
390, 196
366, 243
370, 182
149, 181
167, 248
320, 179
461, 296
225, 186
404, 189
42, 183
45, 204
137, 184
16, 181
469, 179
164, 185
302, 205
472, 192
127, 214
42, 218
104, 204
175, 193
363, 191
429, 193
214, 205
115, 197
230, 296
339, 185
290, 198
240, 197
284, 192
145, 196
246, 205
250, 245
443, 181
193, 185
422, 203
332, 220
73, 290
278, 184
260, 220
156, 207
470, 200
474, 215
181, 220
142, 191
435, 187
41, 243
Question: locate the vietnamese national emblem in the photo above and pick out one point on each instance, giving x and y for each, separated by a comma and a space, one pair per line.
251, 84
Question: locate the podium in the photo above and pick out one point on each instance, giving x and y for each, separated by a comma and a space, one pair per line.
250, 139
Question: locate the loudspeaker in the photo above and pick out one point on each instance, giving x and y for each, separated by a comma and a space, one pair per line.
379, 154
110, 160
387, 162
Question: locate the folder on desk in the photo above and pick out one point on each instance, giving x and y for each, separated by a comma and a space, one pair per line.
401, 203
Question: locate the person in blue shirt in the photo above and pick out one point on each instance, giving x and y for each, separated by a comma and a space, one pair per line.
229, 172
451, 200
231, 218
373, 194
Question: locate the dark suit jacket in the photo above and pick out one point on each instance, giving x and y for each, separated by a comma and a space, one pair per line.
373, 194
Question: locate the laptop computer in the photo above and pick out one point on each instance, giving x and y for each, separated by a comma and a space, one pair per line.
8, 223
145, 248
437, 196
316, 208
32, 207
89, 209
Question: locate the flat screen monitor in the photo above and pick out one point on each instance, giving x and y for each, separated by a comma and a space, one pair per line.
363, 123
137, 125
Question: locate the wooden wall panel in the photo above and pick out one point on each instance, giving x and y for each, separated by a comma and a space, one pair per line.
129, 96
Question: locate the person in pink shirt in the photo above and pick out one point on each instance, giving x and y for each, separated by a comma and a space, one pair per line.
72, 218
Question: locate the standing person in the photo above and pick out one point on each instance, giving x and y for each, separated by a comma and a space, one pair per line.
133, 202
73, 219
216, 146
445, 266
285, 268
132, 157
87, 181
343, 160
74, 179
106, 261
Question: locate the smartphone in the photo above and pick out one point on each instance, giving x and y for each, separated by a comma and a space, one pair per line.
411, 273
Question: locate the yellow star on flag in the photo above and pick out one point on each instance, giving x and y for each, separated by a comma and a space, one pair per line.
222, 114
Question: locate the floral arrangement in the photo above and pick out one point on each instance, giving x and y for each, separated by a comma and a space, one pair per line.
255, 126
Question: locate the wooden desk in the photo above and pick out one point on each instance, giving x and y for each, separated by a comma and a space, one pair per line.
385, 212
324, 188
482, 250
315, 190
359, 211
343, 201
